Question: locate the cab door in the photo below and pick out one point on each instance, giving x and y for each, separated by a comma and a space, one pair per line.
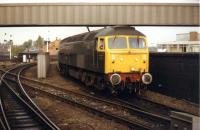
99, 55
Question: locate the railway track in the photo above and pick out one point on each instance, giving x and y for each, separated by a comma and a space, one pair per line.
133, 117
140, 103
146, 106
129, 116
117, 109
157, 112
17, 109
136, 102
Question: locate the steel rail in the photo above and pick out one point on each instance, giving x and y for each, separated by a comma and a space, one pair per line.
4, 120
5, 72
46, 121
115, 117
107, 101
150, 115
143, 113
94, 110
162, 105
25, 107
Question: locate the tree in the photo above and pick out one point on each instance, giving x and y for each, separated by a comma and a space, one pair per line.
39, 42
17, 49
27, 44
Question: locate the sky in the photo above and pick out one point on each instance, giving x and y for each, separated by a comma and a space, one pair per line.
154, 34
21, 34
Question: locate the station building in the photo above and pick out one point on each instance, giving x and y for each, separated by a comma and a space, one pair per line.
4, 49
4, 52
185, 42
52, 47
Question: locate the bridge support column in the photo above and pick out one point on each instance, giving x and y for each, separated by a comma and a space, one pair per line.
43, 61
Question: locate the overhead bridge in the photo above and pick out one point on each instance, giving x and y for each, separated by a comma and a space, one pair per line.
99, 14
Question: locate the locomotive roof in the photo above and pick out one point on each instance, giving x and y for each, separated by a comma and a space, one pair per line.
108, 31
119, 30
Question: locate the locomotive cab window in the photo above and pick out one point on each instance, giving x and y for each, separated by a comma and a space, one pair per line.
101, 45
137, 43
117, 43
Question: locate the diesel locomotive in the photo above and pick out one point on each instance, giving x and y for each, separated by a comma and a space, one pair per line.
115, 57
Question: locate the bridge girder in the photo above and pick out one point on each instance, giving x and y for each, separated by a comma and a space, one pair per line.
99, 14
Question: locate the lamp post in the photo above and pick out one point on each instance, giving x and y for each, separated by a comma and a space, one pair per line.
47, 45
10, 46
8, 43
48, 41
5, 41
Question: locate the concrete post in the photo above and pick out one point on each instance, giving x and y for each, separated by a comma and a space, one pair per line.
178, 48
42, 64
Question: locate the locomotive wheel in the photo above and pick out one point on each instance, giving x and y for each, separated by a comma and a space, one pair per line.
88, 81
128, 90
138, 88
66, 71
63, 70
83, 77
101, 84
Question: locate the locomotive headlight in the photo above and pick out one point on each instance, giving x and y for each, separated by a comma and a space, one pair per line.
146, 78
115, 79
132, 69
144, 59
113, 59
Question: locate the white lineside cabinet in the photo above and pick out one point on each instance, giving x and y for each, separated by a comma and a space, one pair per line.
24, 59
43, 61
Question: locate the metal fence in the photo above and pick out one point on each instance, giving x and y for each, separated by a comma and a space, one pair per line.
176, 74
